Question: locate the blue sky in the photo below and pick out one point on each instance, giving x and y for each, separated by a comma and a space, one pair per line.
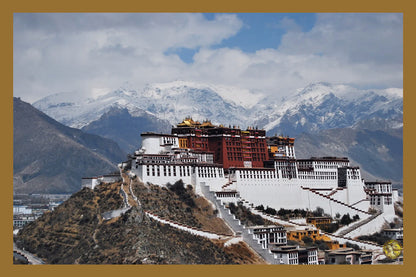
259, 31
272, 53
263, 30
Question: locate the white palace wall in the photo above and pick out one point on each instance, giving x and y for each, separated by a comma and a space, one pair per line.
263, 187
318, 183
288, 194
331, 207
161, 174
208, 175
363, 205
173, 173
355, 191
281, 194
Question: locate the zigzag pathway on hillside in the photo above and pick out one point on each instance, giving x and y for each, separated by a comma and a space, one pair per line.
116, 213
343, 232
340, 238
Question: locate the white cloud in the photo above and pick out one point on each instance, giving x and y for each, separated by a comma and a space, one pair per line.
364, 50
73, 52
92, 53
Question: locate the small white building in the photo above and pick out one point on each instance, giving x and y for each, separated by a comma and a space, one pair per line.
286, 254
396, 233
293, 254
153, 143
348, 256
381, 196
110, 178
22, 210
90, 182
272, 235
21, 220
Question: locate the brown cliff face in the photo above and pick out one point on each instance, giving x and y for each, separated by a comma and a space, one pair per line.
76, 233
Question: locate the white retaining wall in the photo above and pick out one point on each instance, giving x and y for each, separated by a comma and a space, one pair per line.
288, 195
371, 227
359, 243
184, 228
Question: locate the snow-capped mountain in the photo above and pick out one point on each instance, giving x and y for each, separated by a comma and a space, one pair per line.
310, 114
169, 101
321, 106
316, 107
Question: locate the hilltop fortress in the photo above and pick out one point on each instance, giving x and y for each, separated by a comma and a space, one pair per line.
240, 164
262, 170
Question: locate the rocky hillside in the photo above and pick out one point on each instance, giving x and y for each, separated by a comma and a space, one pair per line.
180, 204
49, 157
75, 232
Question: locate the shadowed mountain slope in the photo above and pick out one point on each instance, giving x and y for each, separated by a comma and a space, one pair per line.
49, 157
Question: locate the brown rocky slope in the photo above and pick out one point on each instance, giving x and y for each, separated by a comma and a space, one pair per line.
75, 232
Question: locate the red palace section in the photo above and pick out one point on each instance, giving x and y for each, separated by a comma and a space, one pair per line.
231, 146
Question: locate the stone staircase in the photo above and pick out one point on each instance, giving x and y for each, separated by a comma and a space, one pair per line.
335, 191
335, 200
237, 227
359, 224
229, 183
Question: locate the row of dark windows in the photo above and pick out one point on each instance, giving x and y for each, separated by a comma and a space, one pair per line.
257, 174
209, 172
156, 170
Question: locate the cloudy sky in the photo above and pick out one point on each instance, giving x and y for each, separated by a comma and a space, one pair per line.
267, 53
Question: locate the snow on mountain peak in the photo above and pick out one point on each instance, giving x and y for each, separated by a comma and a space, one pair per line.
234, 95
316, 106
330, 105
391, 93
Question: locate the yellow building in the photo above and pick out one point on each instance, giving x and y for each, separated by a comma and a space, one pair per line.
318, 220
298, 234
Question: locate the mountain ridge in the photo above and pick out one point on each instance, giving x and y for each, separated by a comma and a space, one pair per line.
315, 107
120, 126
49, 157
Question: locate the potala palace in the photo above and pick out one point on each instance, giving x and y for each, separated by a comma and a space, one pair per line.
245, 164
